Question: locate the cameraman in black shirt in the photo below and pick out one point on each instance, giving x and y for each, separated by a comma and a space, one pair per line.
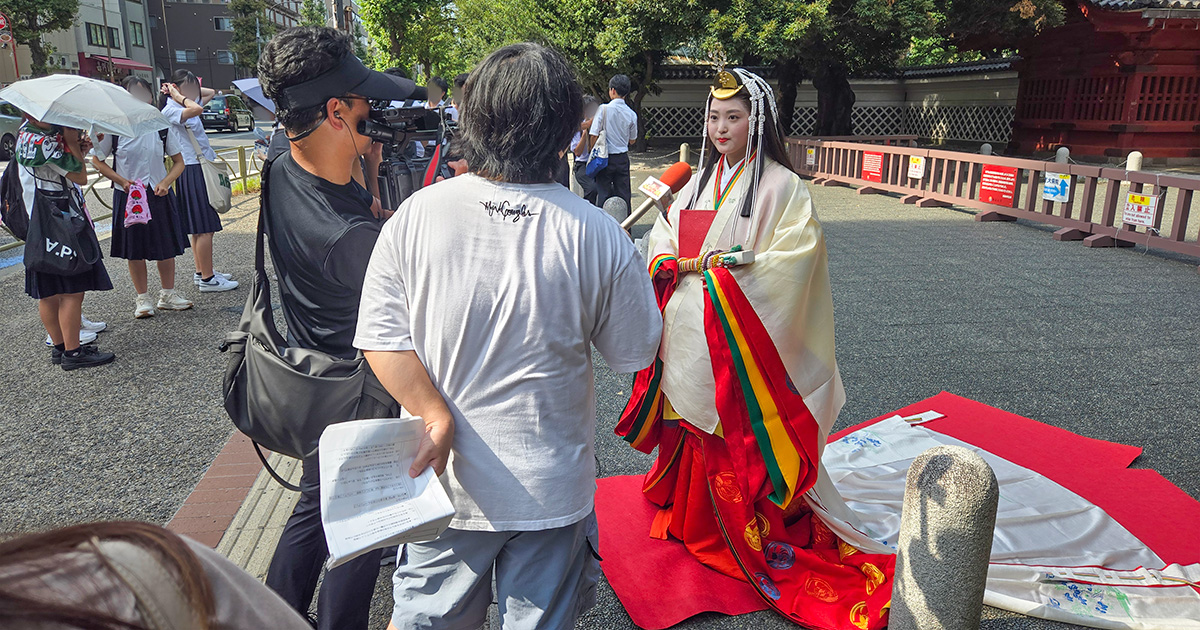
321, 231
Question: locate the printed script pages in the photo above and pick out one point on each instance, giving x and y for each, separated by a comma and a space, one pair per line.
368, 501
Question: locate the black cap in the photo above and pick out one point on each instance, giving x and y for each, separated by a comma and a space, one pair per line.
350, 76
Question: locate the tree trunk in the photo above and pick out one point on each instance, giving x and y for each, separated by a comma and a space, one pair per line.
835, 102
38, 57
790, 75
647, 78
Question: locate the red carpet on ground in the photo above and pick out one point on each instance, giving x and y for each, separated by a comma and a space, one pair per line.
660, 584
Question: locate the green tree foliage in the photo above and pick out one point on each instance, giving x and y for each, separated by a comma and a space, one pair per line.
570, 27
600, 37
411, 33
251, 30
991, 26
361, 50
31, 19
827, 41
640, 34
312, 13
824, 41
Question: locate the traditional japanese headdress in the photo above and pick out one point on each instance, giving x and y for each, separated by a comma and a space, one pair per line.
726, 85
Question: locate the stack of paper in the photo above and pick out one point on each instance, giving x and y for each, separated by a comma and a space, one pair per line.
368, 501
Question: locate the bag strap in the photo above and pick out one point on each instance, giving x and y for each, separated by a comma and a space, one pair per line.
155, 588
271, 471
200, 157
264, 204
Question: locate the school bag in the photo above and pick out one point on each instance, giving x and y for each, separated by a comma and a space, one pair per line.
61, 239
599, 158
13, 215
216, 178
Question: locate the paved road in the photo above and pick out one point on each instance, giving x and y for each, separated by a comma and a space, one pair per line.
1100, 342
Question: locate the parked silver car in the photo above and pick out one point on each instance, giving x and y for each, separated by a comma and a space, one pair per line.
10, 121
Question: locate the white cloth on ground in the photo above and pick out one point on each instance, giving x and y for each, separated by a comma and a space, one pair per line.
1042, 528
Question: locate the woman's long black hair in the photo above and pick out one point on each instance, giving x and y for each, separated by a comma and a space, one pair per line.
774, 147
774, 144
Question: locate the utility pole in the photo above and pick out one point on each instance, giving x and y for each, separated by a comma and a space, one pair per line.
167, 39
257, 36
107, 40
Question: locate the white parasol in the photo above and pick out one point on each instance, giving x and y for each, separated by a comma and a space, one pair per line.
253, 90
87, 104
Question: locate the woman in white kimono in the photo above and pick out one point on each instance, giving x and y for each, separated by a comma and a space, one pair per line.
746, 388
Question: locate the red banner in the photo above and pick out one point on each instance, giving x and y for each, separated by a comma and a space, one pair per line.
998, 185
872, 166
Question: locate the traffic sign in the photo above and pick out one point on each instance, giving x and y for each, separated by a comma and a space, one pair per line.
1140, 210
3, 21
5, 37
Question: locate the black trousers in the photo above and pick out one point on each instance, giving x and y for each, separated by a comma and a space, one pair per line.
562, 174
613, 180
345, 599
586, 183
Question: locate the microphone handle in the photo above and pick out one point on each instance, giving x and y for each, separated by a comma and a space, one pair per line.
637, 214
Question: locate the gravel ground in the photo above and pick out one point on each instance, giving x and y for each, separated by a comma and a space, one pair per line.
1102, 342
125, 441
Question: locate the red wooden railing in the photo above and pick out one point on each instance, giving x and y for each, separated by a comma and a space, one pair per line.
885, 140
1092, 211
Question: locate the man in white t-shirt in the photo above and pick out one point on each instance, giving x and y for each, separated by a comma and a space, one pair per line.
498, 283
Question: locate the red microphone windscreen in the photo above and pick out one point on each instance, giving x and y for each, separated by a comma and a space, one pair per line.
677, 176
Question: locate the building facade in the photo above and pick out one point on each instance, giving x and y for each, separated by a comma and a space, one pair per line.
195, 34
110, 40
1119, 75
958, 104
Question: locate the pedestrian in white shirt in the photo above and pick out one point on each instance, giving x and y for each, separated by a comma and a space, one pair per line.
497, 284
161, 238
620, 126
184, 104
581, 147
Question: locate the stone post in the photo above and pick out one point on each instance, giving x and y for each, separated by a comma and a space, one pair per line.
986, 149
1062, 155
685, 152
945, 541
1134, 162
616, 207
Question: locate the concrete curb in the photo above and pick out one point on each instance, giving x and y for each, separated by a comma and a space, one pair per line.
237, 507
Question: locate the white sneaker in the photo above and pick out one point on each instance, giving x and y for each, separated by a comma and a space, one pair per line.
143, 306
172, 301
85, 337
218, 284
196, 279
91, 326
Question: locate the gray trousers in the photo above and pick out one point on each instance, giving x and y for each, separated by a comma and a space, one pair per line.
544, 579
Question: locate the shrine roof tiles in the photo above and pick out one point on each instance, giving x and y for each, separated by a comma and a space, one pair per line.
1137, 5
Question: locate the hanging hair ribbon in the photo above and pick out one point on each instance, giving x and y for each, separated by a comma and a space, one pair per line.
728, 84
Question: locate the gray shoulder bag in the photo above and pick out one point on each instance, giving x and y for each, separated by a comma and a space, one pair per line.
283, 397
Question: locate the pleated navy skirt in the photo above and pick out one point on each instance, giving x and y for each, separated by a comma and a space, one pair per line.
198, 217
162, 238
45, 285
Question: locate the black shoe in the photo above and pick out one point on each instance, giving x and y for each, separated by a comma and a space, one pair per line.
89, 356
56, 356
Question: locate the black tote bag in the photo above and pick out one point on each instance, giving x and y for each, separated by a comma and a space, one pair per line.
61, 240
283, 397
